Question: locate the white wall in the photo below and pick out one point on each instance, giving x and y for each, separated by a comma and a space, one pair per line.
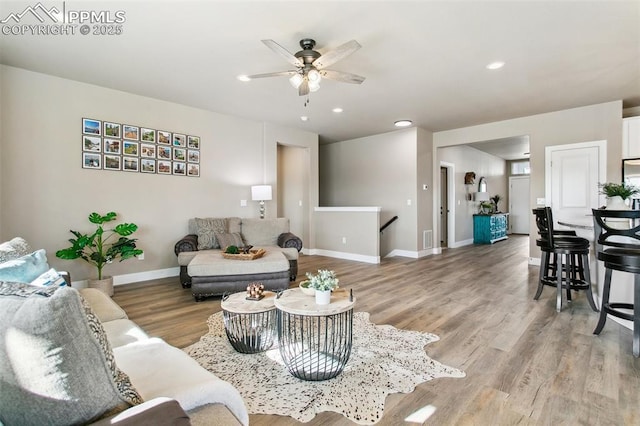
378, 170
468, 159
44, 191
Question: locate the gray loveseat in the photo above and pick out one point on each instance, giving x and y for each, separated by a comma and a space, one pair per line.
212, 235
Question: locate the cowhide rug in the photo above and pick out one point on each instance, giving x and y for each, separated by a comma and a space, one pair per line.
383, 360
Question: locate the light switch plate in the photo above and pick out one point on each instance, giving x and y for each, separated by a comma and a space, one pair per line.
540, 201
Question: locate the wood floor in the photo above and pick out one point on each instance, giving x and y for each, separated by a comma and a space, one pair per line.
525, 363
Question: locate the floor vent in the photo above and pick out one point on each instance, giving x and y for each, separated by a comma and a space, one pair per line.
427, 239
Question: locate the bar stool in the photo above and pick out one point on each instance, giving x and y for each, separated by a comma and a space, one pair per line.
619, 254
572, 256
549, 264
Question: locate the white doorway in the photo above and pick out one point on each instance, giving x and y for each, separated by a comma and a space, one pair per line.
293, 181
572, 174
519, 212
447, 204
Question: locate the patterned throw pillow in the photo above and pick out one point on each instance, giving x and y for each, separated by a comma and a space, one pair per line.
14, 249
49, 278
233, 239
60, 367
206, 230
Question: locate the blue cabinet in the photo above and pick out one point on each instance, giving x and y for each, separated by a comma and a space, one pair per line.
489, 228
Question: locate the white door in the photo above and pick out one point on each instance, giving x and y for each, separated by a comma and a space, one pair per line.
519, 211
573, 173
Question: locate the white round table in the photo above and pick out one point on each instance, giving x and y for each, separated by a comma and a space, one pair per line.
250, 324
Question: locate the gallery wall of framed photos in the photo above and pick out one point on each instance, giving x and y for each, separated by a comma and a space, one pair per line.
124, 147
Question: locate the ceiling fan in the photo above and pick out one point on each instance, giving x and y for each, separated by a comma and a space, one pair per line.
311, 65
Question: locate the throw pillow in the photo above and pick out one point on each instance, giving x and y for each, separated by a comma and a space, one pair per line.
206, 229
26, 268
14, 249
54, 369
232, 239
49, 278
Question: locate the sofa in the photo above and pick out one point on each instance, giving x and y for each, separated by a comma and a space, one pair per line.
72, 356
201, 252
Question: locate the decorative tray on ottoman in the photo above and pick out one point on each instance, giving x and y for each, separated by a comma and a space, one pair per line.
250, 255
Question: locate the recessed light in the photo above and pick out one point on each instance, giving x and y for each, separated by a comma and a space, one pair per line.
337, 110
243, 78
495, 65
304, 118
403, 123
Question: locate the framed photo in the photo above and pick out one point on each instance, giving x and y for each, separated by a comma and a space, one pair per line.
179, 154
147, 150
130, 164
147, 135
193, 169
164, 167
112, 146
130, 132
193, 142
164, 153
147, 165
91, 126
179, 140
130, 148
91, 143
112, 162
91, 160
164, 137
179, 168
193, 156
112, 130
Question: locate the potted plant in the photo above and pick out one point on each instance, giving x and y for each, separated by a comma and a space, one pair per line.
100, 247
617, 193
323, 283
486, 207
495, 200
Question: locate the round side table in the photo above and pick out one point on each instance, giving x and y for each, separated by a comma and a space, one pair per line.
250, 324
315, 340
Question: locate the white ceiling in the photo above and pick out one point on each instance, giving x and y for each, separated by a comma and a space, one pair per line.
423, 60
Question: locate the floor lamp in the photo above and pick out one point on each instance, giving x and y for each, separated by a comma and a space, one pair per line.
261, 193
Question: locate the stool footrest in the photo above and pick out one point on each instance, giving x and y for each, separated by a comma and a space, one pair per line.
612, 309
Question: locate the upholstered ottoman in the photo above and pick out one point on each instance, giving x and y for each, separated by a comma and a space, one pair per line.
212, 274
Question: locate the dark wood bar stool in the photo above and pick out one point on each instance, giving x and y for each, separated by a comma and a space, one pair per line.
571, 253
619, 254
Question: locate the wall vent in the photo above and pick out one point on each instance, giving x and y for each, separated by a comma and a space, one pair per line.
427, 239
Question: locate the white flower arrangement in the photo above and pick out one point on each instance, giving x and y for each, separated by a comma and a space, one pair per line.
325, 280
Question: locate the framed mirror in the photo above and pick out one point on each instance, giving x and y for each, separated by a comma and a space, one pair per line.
631, 171
482, 184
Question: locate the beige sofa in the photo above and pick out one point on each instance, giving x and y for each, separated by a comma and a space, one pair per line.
209, 236
72, 356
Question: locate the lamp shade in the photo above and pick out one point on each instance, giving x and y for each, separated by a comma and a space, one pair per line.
261, 192
482, 196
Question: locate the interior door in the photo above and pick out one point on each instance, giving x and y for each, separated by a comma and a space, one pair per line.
519, 211
573, 175
444, 207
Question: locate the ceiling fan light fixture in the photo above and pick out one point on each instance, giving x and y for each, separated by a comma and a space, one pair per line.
403, 123
314, 86
314, 76
296, 80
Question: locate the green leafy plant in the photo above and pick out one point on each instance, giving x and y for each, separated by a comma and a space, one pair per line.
99, 248
622, 190
324, 280
486, 207
495, 200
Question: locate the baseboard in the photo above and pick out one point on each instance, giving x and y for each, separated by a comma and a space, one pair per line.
136, 277
343, 255
414, 254
534, 261
462, 243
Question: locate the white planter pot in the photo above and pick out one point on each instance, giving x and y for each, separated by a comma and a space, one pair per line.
105, 285
323, 297
616, 203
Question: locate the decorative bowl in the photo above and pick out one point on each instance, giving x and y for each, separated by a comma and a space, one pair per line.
304, 286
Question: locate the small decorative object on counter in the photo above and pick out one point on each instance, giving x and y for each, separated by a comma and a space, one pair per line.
255, 291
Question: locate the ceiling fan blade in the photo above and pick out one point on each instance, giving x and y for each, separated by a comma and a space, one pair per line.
303, 90
343, 77
335, 55
283, 52
272, 74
